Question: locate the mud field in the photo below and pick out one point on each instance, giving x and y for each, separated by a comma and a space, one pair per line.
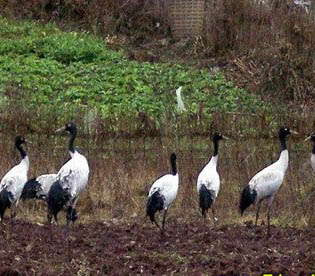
189, 248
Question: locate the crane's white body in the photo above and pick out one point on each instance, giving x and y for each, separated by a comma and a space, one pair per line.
167, 187
210, 177
45, 181
268, 181
14, 180
313, 161
73, 175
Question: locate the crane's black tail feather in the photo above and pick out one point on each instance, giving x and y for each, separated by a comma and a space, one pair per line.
5, 202
57, 198
248, 197
155, 203
30, 190
205, 199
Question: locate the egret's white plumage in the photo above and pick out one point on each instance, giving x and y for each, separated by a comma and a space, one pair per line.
180, 103
208, 182
312, 138
12, 183
38, 187
162, 193
71, 180
266, 183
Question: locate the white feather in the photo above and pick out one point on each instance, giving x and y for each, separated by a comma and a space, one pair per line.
268, 181
210, 177
73, 175
180, 103
167, 186
313, 161
45, 181
14, 179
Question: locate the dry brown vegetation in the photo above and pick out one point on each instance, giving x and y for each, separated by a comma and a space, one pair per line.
122, 171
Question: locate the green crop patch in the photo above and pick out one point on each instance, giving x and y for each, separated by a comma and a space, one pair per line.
67, 71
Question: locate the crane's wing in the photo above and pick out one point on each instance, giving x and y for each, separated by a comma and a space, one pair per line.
13, 184
267, 182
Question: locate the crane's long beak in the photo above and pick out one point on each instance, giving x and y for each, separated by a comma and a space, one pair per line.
225, 137
294, 132
28, 141
60, 129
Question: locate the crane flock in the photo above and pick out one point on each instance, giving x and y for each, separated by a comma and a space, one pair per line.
61, 191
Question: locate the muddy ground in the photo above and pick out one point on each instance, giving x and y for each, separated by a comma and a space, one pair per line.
189, 248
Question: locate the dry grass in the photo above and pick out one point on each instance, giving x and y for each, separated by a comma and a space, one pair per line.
122, 171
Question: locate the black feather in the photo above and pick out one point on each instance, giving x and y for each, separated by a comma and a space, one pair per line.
248, 197
155, 203
5, 201
57, 198
205, 199
31, 188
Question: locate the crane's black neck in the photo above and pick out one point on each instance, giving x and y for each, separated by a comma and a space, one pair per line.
73, 134
21, 150
174, 166
283, 143
216, 147
313, 149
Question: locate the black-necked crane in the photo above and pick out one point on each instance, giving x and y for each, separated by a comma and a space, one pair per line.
208, 182
71, 180
38, 187
162, 193
312, 138
266, 183
12, 183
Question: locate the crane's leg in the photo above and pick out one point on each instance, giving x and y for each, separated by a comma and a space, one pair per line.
158, 226
204, 217
213, 213
270, 199
257, 212
49, 215
163, 222
71, 213
13, 210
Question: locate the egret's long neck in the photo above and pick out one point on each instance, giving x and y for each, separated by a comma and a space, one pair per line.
174, 167
73, 134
